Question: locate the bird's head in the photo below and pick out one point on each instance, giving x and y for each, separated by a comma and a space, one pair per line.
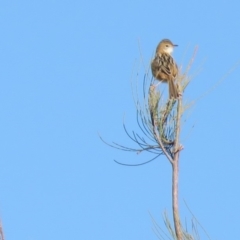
165, 46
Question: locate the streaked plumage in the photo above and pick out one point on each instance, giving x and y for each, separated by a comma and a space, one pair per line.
164, 67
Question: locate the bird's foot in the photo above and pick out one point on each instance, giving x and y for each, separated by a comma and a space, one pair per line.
180, 148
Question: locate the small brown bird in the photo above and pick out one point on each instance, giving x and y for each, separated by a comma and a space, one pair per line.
164, 67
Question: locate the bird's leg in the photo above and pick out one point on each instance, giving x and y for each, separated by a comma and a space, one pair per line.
156, 85
179, 91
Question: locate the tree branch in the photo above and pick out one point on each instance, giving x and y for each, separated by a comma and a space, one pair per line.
175, 175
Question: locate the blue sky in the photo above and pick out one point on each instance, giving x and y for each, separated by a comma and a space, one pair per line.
65, 75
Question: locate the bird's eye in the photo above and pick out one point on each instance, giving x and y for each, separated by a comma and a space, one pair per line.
167, 45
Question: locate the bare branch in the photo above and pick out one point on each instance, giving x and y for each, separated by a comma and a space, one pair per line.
1, 232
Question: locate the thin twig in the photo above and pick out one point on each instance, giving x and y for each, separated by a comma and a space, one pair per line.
162, 146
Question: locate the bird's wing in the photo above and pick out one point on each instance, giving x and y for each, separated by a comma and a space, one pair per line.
156, 65
166, 64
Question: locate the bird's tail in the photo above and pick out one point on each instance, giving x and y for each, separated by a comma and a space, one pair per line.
173, 91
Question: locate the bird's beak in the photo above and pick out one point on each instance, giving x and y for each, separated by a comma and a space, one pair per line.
175, 45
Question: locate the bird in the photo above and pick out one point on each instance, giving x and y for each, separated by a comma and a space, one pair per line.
164, 67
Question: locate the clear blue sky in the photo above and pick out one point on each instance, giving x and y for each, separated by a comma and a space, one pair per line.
65, 70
